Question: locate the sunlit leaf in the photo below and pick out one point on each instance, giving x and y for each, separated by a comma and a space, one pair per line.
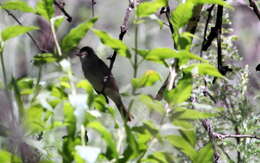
113, 43
160, 54
34, 119
182, 91
45, 8
147, 79
16, 30
17, 5
107, 136
132, 150
159, 157
187, 129
152, 104
191, 114
72, 39
69, 119
145, 133
44, 58
183, 145
219, 2
25, 86
182, 14
6, 157
205, 154
204, 69
147, 8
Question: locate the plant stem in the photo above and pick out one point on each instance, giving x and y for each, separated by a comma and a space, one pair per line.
3, 69
66, 67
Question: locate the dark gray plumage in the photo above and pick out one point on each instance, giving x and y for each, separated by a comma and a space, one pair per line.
95, 70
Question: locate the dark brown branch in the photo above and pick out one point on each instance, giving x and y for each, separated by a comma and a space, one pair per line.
93, 2
255, 8
123, 30
61, 5
219, 32
193, 22
207, 126
206, 27
166, 10
28, 34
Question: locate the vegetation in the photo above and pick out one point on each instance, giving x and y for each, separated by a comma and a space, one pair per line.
180, 67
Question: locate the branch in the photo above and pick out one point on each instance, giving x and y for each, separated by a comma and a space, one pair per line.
61, 5
193, 22
206, 28
207, 126
224, 136
93, 2
255, 8
27, 33
123, 31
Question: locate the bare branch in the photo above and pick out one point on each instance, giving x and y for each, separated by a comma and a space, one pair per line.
61, 5
255, 8
28, 34
123, 31
225, 136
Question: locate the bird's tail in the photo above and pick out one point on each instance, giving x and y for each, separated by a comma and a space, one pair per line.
123, 111
115, 96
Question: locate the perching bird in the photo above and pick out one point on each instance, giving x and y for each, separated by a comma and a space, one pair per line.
95, 70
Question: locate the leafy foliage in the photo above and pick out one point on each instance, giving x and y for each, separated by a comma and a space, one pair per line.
68, 121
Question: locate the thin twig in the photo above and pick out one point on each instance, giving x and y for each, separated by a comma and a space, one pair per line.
255, 8
93, 2
61, 7
28, 34
225, 136
207, 126
123, 30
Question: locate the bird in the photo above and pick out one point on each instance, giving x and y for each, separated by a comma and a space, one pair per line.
101, 78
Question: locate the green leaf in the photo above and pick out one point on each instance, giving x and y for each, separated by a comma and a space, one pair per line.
218, 2
44, 58
45, 9
72, 39
145, 133
16, 30
205, 154
113, 43
34, 119
58, 21
6, 157
25, 86
159, 157
152, 104
147, 79
183, 41
182, 14
84, 84
183, 145
182, 91
69, 119
147, 8
107, 136
181, 113
160, 54
17, 5
132, 150
203, 69
187, 130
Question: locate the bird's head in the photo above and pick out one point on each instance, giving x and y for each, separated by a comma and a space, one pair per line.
85, 52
